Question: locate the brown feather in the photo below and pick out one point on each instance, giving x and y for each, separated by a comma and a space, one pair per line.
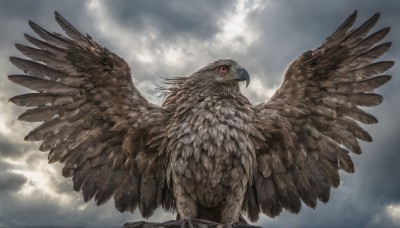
360, 115
39, 99
267, 197
345, 161
39, 114
365, 99
40, 85
252, 207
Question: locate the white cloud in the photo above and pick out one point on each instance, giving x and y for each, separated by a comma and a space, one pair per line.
235, 30
40, 178
259, 91
393, 212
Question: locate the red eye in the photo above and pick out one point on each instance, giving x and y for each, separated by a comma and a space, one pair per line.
223, 69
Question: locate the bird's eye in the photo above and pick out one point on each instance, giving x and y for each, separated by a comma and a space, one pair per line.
223, 69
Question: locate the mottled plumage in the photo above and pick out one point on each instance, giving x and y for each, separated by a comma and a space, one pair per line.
207, 152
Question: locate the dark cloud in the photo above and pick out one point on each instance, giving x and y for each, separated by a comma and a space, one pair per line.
11, 149
290, 28
47, 226
43, 211
16, 14
11, 181
379, 170
198, 19
7, 148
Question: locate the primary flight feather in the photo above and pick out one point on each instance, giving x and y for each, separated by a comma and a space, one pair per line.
206, 152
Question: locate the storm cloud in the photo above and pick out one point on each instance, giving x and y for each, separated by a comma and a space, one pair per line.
176, 38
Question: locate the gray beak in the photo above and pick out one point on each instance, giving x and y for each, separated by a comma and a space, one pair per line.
243, 75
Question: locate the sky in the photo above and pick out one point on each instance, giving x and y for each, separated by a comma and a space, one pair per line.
176, 38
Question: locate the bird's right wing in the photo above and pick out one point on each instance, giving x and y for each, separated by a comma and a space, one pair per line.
95, 121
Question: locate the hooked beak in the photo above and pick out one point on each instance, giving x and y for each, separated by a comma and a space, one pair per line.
243, 75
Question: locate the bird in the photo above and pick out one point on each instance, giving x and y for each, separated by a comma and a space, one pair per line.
206, 152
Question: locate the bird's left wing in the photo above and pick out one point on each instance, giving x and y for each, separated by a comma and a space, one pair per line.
95, 121
311, 120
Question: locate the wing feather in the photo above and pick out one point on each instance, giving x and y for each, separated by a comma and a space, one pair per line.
39, 114
72, 32
38, 99
54, 49
319, 101
42, 55
345, 26
42, 85
50, 38
252, 207
267, 197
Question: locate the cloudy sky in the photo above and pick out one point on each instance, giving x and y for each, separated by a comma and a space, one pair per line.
175, 38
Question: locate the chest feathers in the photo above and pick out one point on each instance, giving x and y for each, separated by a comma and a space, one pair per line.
211, 130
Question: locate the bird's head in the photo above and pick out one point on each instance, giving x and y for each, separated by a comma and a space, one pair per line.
221, 77
224, 72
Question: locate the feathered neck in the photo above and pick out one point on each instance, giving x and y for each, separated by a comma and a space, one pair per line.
186, 92
200, 86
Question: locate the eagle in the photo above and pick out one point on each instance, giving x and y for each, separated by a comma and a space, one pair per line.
206, 152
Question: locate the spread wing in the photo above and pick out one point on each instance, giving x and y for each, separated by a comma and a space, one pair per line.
94, 120
312, 120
